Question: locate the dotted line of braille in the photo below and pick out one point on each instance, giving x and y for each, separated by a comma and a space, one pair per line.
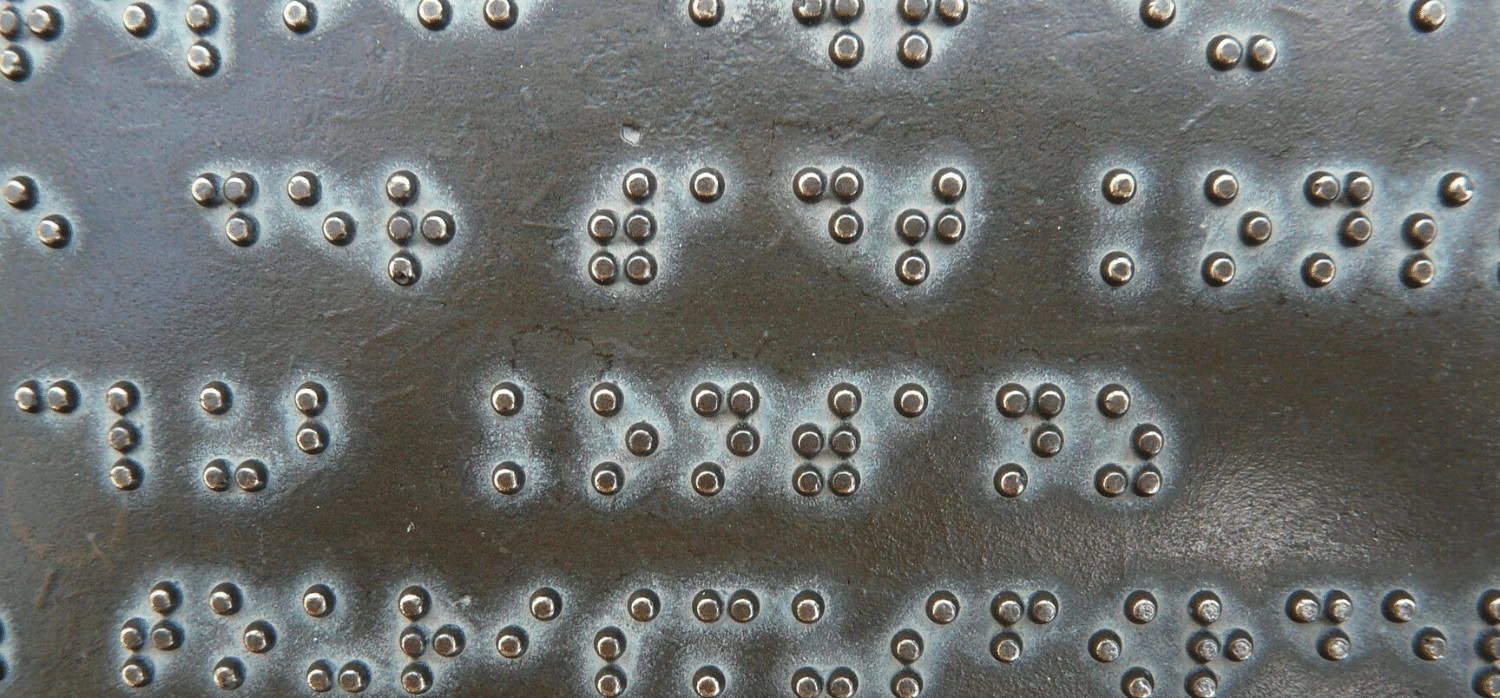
139, 20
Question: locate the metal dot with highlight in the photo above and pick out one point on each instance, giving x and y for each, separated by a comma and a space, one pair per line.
1140, 607
845, 226
1158, 13
413, 602
949, 185
913, 11
846, 48
1138, 683
1010, 480
205, 189
133, 634
299, 16
1047, 440
914, 49
706, 399
605, 399
1006, 647
1007, 608
808, 184
1206, 607
1322, 188
742, 440
707, 184
545, 604
1356, 230
1203, 647
136, 673
1420, 229
1399, 606
1239, 646
912, 267
15, 65
1359, 188
164, 597
1114, 400
508, 478
639, 184
808, 11
166, 635
708, 682
354, 677
1148, 481
1111, 480
317, 601
1456, 189
1489, 646
1224, 52
912, 226
607, 478
1148, 440
602, 226
842, 683
643, 605
1119, 186
311, 438
302, 188
603, 268
1318, 270
1049, 400
1202, 684
911, 400
433, 14
1428, 15
122, 397
416, 679
708, 606
511, 641
847, 10
1218, 269
1489, 606
641, 439
942, 607
640, 267
844, 400
403, 269
28, 397
126, 475
507, 399
906, 646
744, 606
216, 475
640, 225
705, 13
401, 187
906, 684
610, 681
609, 644
259, 637
203, 58
62, 397
338, 228
1012, 400
1117, 269
1044, 607
844, 441
138, 19
1418, 271
500, 14
1487, 683
10, 22
807, 607
1105, 646
224, 599
1221, 187
949, 227
215, 398
1303, 607
806, 683
200, 17
1335, 646
438, 227
1430, 644
1255, 228
743, 399
19, 192
1261, 52
448, 641
54, 231
807, 480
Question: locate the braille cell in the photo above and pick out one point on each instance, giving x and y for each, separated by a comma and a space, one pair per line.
1318, 270
1203, 647
845, 226
952, 11
914, 49
1119, 186
1428, 15
1006, 647
338, 228
138, 19
641, 439
545, 604
413, 602
942, 607
1399, 606
640, 267
807, 607
846, 48
507, 478
609, 644
843, 481
1044, 607
705, 13
54, 231
1303, 607
412, 642
19, 192
1049, 400
1260, 52
911, 400
317, 601
742, 440
806, 683
1224, 52
607, 478
438, 227
1138, 683
707, 184
354, 677
1335, 646
1218, 269
15, 65
506, 399
1221, 186
643, 605
216, 475
433, 14
1202, 684
166, 635
511, 641
744, 606
906, 684
1158, 13
1356, 230
1007, 608
1238, 646
62, 397
500, 14
224, 599
203, 58
1047, 441
1010, 480
1105, 646
639, 184
311, 438
1430, 644
847, 10
912, 226
401, 187
1338, 607
708, 479
1117, 269
259, 637
403, 269
603, 268
610, 681
1111, 480
706, 399
1322, 188
299, 16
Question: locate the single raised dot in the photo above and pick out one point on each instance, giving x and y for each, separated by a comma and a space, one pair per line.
1303, 607
912, 226
433, 14
808, 11
1049, 400
705, 13
317, 601
912, 267
906, 684
259, 637
708, 682
843, 481
203, 58
743, 399
1007, 608
845, 226
299, 16
416, 679
338, 228
602, 226
1140, 607
807, 481
507, 478
640, 267
62, 397
1204, 647
1044, 607
29, 397
1322, 188
44, 21
1148, 440
913, 11
239, 188
1489, 646
1420, 229
1117, 268
1224, 52
136, 673
806, 683
942, 607
133, 634
1114, 400
121, 397
846, 48
1047, 440
354, 677
438, 227
844, 400
511, 642
607, 478
914, 49
54, 231
1357, 229
10, 22
506, 399
1202, 684
1010, 480
643, 605
1239, 647
639, 184
448, 641
1359, 188
302, 188
842, 683
807, 440
401, 187
138, 19
1318, 270
906, 646
603, 268
808, 184
1428, 15
501, 14
19, 192
201, 17
224, 599
949, 184
641, 439
847, 184
708, 606
1487, 683
205, 189
1335, 646
844, 441
1105, 646
1148, 481
744, 605
742, 440
1489, 606
1206, 607
1138, 683
1261, 52
1218, 269
545, 604
949, 226
403, 269
1119, 186
707, 399
807, 607
1418, 271
609, 682
1430, 644
1457, 189
609, 644
166, 636
1006, 647
1221, 186
1158, 13
605, 399
848, 10
640, 226
1399, 606
952, 11
311, 438
413, 602
216, 475
1012, 400
911, 400
15, 65
1111, 481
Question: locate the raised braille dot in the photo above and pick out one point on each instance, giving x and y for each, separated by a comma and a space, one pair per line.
1148, 481
843, 481
706, 399
605, 399
806, 683
1224, 52
1487, 683
1338, 607
1335, 646
1318, 270
848, 10
1428, 15
1044, 607
15, 65
1399, 606
809, 183
438, 227
1356, 230
1007, 608
403, 269
1049, 400
639, 184
1204, 647
906, 646
545, 604
609, 644
914, 49
1221, 186
511, 642
201, 17
807, 440
19, 192
1010, 480
640, 267
448, 641
136, 673
354, 677
507, 478
506, 399
205, 189
906, 684
1303, 607
744, 605
123, 436
845, 226
1111, 481
641, 439
1457, 189
1148, 440
224, 599
501, 14
166, 636
133, 634
708, 606
913, 11
239, 188
1430, 644
1202, 684
643, 605
299, 16
705, 13
847, 184
842, 683
413, 602
62, 397
54, 231
1119, 186
609, 682
942, 607
338, 228
10, 22
1489, 607
846, 48
1006, 647
203, 58
1359, 188
912, 267
1047, 441
844, 441
433, 14
807, 607
1012, 400
1105, 646
808, 11
1489, 646
707, 184
743, 399
742, 440
44, 22
844, 400
949, 185
311, 438
602, 226
1255, 228
807, 481
1206, 607
1117, 269
1322, 188
912, 226
121, 397
949, 226
607, 478
401, 187
1138, 683
1420, 229
603, 268
1260, 52
28, 397
138, 19
302, 188
259, 637
1239, 646
1218, 269
952, 11
216, 475
416, 679
1158, 13
708, 682
1140, 607
911, 400
317, 601
640, 226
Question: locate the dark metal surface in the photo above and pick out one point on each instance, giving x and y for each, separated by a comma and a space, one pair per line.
1316, 438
